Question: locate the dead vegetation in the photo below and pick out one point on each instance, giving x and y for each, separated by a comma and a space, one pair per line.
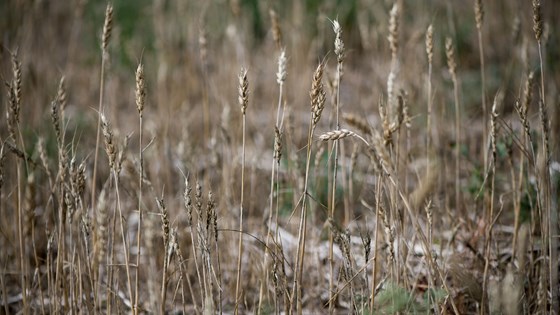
369, 157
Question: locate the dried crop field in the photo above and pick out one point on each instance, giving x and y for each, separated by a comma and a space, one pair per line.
279, 157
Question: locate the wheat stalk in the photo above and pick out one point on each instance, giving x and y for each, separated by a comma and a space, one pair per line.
479, 18
164, 215
527, 144
203, 51
317, 96
490, 217
107, 27
452, 66
281, 75
551, 230
140, 93
187, 202
14, 126
243, 102
430, 55
340, 53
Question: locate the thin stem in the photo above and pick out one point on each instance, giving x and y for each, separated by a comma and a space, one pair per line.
123, 235
271, 197
490, 221
457, 145
240, 247
551, 214
140, 217
375, 237
335, 174
20, 238
483, 96
98, 137
303, 226
429, 122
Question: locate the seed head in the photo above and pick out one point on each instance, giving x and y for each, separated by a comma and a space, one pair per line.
140, 89
537, 20
243, 90
338, 43
282, 73
107, 27
430, 43
450, 53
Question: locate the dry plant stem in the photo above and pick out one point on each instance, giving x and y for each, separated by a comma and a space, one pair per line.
59, 181
188, 205
431, 284
551, 214
243, 100
104, 55
140, 94
429, 52
265, 269
425, 244
490, 218
518, 196
20, 236
20, 239
331, 236
60, 272
15, 88
375, 242
140, 217
390, 175
4, 296
205, 80
195, 255
479, 16
123, 236
452, 69
547, 215
281, 76
164, 281
457, 146
168, 243
317, 95
339, 51
303, 227
115, 160
36, 259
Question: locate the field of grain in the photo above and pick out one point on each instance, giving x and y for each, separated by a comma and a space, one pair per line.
279, 157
